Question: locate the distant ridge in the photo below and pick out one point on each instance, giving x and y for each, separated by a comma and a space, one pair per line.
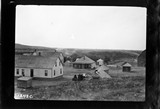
21, 46
81, 52
84, 51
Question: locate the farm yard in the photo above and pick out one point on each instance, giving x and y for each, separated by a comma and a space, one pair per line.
123, 86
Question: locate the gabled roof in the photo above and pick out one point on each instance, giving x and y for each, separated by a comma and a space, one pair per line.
103, 67
127, 64
84, 60
35, 61
99, 60
103, 74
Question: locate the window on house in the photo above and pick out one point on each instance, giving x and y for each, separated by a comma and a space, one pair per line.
55, 64
23, 72
54, 72
46, 73
17, 71
60, 71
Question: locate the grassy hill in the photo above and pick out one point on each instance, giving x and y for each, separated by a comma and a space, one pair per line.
95, 54
21, 46
112, 55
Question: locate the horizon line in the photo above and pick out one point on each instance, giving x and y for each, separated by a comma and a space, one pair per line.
79, 48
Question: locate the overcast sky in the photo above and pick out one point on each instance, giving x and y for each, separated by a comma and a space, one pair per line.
93, 27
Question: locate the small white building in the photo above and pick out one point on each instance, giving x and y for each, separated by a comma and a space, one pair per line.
38, 66
100, 62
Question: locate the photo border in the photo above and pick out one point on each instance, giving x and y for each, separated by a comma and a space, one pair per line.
8, 50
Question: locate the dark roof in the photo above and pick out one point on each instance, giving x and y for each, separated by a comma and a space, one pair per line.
84, 60
35, 61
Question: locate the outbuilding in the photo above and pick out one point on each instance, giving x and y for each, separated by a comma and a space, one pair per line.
24, 82
126, 67
100, 62
84, 63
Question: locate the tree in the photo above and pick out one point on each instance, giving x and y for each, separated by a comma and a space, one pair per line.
106, 59
74, 57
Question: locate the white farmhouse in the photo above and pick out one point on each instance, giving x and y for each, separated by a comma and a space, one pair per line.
38, 66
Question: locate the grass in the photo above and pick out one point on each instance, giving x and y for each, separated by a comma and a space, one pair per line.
122, 87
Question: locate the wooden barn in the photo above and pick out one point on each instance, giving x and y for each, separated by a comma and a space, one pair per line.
84, 63
126, 67
141, 60
100, 62
38, 66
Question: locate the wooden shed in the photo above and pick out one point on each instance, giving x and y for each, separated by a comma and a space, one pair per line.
126, 67
24, 82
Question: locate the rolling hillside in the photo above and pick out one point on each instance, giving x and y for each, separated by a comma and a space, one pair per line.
21, 46
95, 54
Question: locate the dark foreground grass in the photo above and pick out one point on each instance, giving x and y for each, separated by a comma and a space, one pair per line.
115, 89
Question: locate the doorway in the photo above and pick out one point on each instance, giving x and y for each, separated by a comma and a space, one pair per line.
32, 73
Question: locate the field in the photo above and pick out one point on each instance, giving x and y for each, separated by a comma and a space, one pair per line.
123, 86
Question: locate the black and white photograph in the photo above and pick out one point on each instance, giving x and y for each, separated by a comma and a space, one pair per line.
82, 53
